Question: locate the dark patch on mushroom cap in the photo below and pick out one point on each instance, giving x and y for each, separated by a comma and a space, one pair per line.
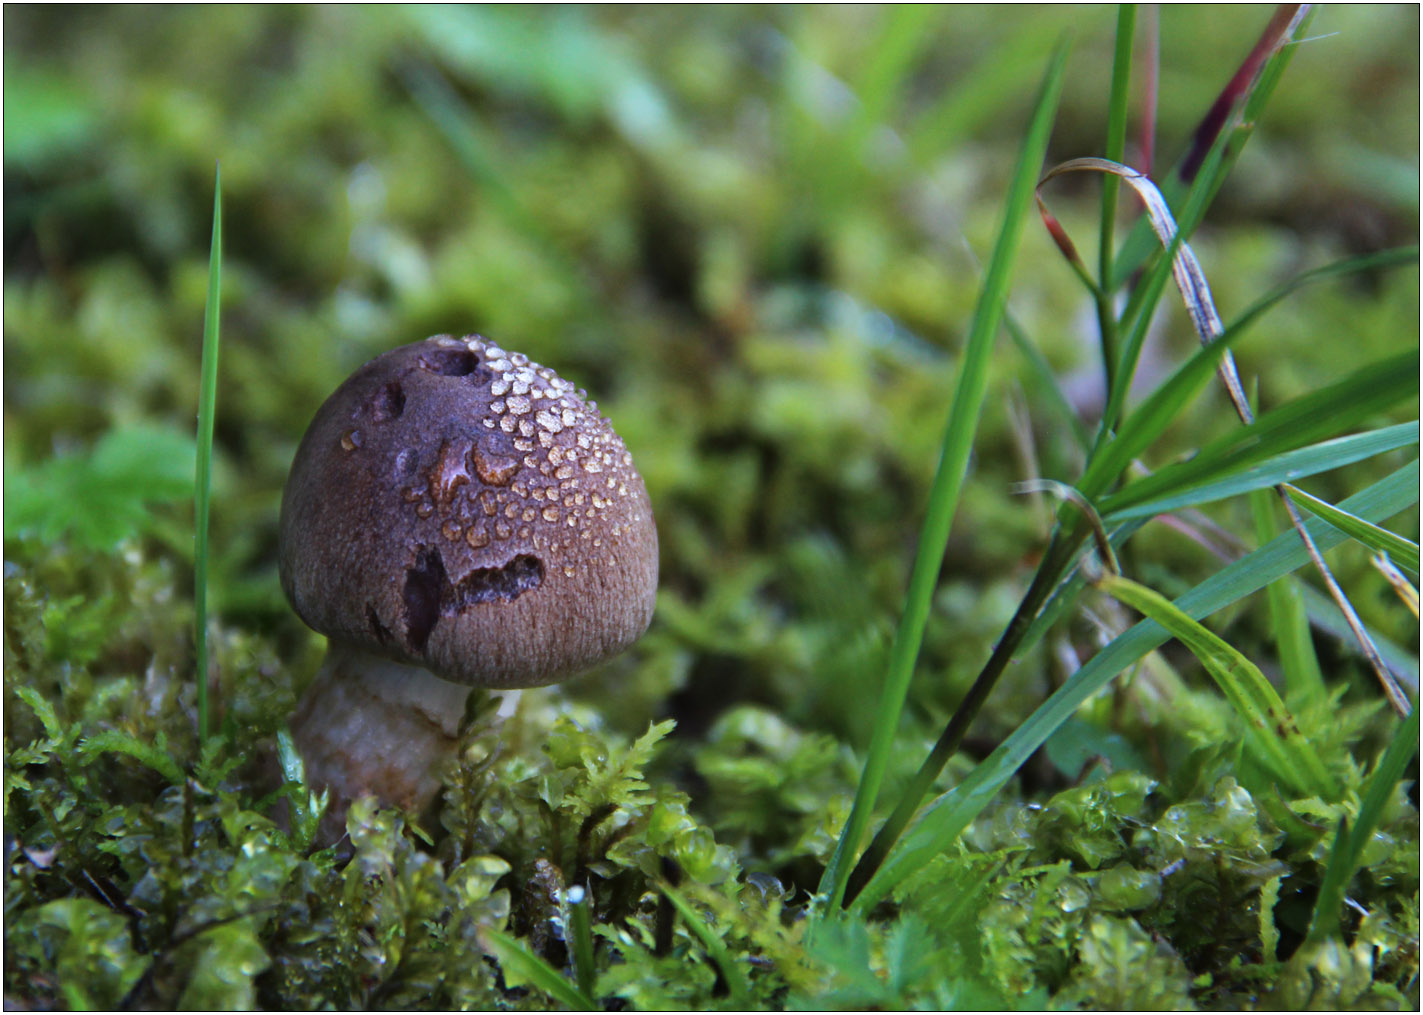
484, 520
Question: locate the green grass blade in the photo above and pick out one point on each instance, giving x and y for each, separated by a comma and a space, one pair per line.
1135, 319
522, 965
1274, 734
948, 480
1198, 177
1289, 621
735, 979
1186, 269
579, 920
1321, 457
1114, 150
944, 819
1380, 540
207, 409
1317, 415
1151, 418
1349, 842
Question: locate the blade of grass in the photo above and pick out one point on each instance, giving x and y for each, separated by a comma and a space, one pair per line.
1317, 415
1349, 842
578, 918
943, 820
207, 409
735, 979
1195, 292
1200, 188
1402, 587
1273, 732
1115, 151
1308, 461
1380, 540
1212, 126
948, 481
527, 967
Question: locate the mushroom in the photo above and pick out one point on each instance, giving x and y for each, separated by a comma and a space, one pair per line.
455, 516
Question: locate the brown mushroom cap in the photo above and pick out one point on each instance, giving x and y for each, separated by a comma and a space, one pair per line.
458, 507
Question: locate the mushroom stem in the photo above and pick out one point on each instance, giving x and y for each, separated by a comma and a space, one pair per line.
368, 725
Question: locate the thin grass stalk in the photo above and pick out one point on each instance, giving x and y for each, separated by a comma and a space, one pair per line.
1195, 290
1056, 561
736, 983
579, 903
1375, 537
1115, 150
1303, 679
948, 481
1281, 26
207, 409
1142, 303
1150, 82
519, 959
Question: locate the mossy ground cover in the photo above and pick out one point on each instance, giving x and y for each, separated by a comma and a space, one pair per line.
758, 237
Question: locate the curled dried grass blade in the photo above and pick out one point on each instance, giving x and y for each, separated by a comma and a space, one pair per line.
1078, 500
1185, 268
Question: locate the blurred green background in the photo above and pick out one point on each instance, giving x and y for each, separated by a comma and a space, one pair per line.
752, 234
